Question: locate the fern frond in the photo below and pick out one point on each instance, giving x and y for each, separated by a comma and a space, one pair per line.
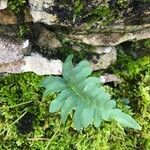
85, 95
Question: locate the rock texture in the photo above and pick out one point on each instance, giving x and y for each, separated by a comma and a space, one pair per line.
106, 39
41, 66
65, 28
8, 18
11, 50
3, 4
48, 39
56, 12
38, 10
103, 61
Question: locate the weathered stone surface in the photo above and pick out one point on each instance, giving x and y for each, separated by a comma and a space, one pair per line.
33, 63
103, 61
38, 11
48, 39
56, 12
12, 50
3, 4
107, 39
13, 67
103, 49
13, 59
109, 78
41, 66
7, 17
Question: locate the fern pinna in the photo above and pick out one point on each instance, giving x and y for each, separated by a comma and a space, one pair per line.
76, 91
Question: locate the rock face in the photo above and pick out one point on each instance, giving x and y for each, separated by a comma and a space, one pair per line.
3, 4
104, 60
11, 51
48, 39
41, 66
38, 10
56, 12
64, 19
8, 18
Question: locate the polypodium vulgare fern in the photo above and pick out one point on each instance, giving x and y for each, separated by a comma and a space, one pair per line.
85, 95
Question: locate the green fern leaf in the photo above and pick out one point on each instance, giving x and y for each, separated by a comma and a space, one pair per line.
85, 95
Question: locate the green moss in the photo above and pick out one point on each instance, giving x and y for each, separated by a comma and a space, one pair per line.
38, 128
16, 6
20, 94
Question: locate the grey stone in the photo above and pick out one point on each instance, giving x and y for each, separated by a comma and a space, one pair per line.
103, 61
41, 66
39, 14
12, 50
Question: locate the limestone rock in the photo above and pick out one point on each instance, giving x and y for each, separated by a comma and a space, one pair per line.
103, 49
103, 61
110, 78
12, 50
6, 17
33, 63
41, 66
13, 67
38, 11
3, 4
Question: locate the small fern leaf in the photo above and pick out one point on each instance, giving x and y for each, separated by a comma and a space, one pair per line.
80, 66
124, 119
97, 116
52, 84
82, 73
108, 106
87, 116
77, 118
49, 80
67, 67
67, 108
85, 95
59, 101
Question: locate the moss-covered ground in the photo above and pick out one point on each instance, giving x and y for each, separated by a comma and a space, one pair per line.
25, 121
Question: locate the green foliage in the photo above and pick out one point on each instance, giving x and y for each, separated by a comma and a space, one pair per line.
84, 95
16, 6
78, 7
20, 94
135, 67
101, 14
122, 3
22, 31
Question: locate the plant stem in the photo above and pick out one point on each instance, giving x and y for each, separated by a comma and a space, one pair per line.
20, 104
52, 138
12, 125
